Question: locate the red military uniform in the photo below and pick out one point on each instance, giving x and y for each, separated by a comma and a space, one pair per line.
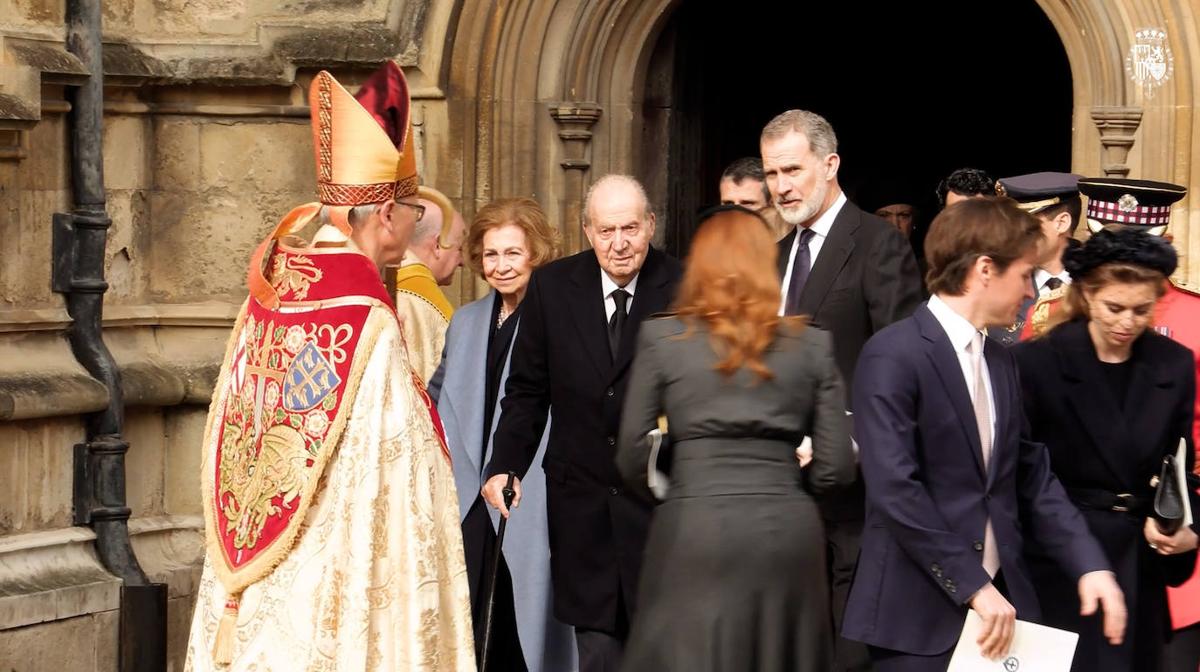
1178, 316
1047, 306
1046, 196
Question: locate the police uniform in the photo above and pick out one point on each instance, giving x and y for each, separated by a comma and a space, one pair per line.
1034, 193
1146, 204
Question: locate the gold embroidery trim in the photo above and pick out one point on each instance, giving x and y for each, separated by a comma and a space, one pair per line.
358, 194
294, 273
325, 127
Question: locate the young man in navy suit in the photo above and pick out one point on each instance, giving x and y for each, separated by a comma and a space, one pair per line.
953, 491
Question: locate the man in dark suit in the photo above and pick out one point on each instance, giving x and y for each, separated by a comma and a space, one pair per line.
853, 274
949, 478
579, 324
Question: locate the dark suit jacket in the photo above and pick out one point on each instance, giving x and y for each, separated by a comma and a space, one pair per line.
929, 497
561, 364
1097, 444
864, 279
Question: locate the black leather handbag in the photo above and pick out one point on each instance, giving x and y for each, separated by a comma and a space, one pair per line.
1168, 499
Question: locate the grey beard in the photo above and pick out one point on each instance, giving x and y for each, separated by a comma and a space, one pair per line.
808, 208
803, 213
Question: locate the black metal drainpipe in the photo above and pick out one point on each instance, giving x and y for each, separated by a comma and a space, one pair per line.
79, 246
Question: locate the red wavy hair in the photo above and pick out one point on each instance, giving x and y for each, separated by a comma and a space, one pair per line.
731, 286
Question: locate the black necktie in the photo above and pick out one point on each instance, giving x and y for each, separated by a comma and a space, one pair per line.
617, 322
1053, 284
800, 268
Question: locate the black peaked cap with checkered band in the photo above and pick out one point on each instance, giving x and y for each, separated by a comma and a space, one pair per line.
1141, 203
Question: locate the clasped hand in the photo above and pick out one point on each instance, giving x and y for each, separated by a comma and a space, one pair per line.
1182, 541
493, 493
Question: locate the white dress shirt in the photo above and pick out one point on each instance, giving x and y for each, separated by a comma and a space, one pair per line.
961, 332
608, 287
820, 229
1041, 277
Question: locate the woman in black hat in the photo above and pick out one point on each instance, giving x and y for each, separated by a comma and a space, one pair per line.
1110, 398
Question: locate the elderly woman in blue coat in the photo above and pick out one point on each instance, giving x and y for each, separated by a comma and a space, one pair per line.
508, 239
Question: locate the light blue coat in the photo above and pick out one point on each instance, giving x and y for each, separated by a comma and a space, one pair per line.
458, 389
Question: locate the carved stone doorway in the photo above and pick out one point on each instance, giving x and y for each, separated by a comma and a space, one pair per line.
542, 96
935, 96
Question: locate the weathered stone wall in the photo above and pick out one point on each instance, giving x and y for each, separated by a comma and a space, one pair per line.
206, 146
31, 190
220, 184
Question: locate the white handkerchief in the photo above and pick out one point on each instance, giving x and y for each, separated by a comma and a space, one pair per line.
1035, 648
655, 479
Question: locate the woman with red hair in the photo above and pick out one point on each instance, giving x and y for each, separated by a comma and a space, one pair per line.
734, 571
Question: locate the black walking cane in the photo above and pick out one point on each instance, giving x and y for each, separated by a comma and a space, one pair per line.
509, 493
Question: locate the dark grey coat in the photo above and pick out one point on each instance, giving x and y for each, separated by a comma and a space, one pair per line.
734, 571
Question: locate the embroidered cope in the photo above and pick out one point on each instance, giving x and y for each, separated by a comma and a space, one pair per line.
330, 508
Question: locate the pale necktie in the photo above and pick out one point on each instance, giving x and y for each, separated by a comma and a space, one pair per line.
983, 420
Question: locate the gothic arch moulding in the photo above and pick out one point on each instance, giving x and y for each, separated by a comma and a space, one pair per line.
1119, 127
543, 93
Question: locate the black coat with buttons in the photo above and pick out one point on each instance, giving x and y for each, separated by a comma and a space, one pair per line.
1098, 447
562, 369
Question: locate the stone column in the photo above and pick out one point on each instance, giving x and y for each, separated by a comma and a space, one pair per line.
575, 121
1117, 126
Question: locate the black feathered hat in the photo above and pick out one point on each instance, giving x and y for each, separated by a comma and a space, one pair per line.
1127, 245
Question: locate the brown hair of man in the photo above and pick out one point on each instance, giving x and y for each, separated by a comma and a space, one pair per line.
991, 226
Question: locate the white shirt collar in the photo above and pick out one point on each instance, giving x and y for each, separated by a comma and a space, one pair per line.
1040, 276
608, 286
331, 236
960, 331
824, 223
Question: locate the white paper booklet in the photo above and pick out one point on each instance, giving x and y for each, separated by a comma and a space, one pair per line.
1035, 648
1181, 479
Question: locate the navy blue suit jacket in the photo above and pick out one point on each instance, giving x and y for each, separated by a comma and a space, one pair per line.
929, 496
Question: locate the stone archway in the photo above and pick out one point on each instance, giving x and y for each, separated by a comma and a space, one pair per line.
546, 94
1118, 129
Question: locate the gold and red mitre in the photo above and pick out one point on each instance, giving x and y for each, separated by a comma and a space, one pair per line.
364, 154
355, 166
363, 143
